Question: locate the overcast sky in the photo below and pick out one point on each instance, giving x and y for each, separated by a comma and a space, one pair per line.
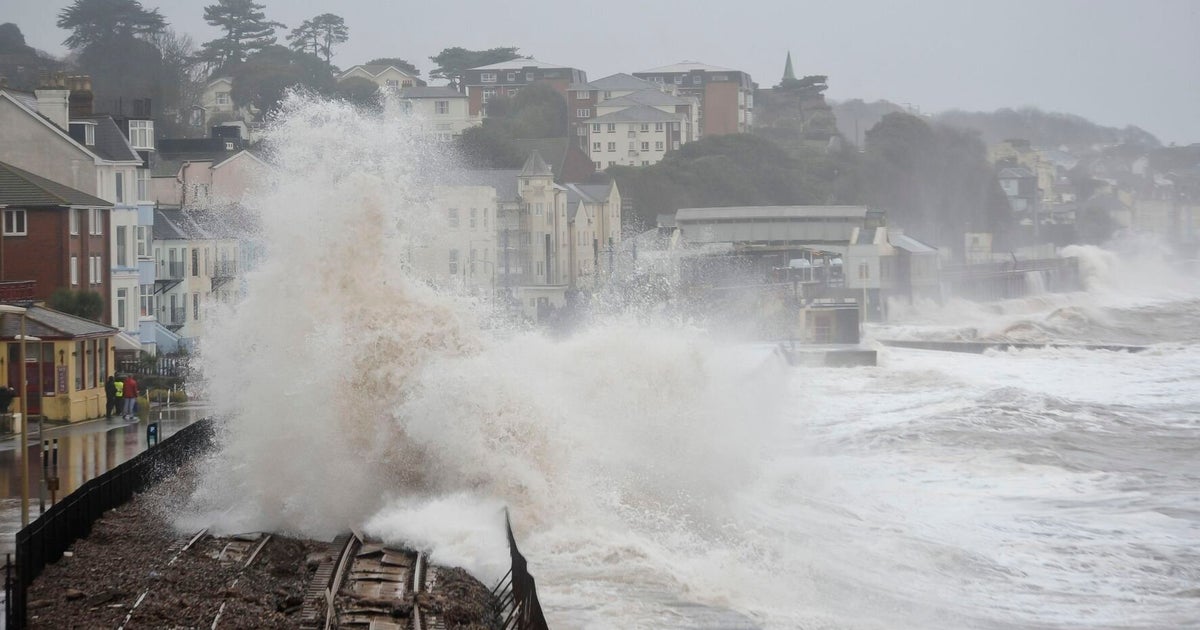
1116, 62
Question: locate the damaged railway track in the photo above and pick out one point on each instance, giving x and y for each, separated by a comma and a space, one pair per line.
367, 584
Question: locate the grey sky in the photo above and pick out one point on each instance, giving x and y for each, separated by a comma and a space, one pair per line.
1116, 62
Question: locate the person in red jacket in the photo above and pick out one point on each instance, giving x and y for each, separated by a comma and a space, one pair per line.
130, 394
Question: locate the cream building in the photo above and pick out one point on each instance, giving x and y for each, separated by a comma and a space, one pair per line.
634, 136
443, 111
387, 77
594, 215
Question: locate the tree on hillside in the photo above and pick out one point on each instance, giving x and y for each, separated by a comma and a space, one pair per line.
20, 63
12, 41
319, 35
728, 170
451, 63
537, 111
263, 79
246, 28
361, 92
181, 79
489, 146
395, 61
98, 21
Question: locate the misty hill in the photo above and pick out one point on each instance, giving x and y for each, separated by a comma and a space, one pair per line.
1046, 129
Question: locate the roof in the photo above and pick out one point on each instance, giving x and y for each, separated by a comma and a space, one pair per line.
910, 244
430, 92
651, 96
1015, 172
620, 81
770, 212
588, 193
22, 188
503, 180
230, 221
46, 323
686, 66
376, 69
553, 150
517, 64
637, 113
111, 143
535, 166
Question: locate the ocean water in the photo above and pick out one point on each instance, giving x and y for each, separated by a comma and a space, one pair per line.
659, 477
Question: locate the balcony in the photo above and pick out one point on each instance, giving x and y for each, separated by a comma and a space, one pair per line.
176, 318
17, 291
170, 274
223, 272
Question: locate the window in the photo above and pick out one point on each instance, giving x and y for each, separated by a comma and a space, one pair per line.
143, 247
487, 77
195, 306
119, 191
141, 134
195, 263
612, 163
473, 218
222, 98
679, 80
89, 135
658, 145
14, 223
528, 76
864, 271
537, 208
441, 107
512, 76
658, 126
612, 146
644, 127
612, 127
581, 130
583, 113
122, 296
488, 93
454, 262
472, 262
632, 145
540, 268
645, 146
73, 220
697, 80
645, 162
676, 145
595, 127
391, 84
74, 271
607, 94
93, 270
146, 300
122, 246
452, 217
485, 219
597, 165
96, 225
513, 91
596, 146
143, 184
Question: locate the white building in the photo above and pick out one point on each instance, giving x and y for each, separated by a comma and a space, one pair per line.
639, 135
387, 77
198, 258
444, 111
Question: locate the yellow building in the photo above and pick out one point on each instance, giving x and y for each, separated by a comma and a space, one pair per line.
67, 359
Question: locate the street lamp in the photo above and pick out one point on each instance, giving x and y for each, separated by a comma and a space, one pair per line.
20, 310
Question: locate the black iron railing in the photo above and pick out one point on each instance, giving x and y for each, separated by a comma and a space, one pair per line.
44, 540
517, 591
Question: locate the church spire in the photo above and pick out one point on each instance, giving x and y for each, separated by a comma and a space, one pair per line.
788, 73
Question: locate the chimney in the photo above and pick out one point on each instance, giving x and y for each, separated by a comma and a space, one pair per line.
53, 100
81, 95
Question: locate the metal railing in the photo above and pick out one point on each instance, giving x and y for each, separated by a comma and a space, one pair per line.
517, 591
44, 540
162, 366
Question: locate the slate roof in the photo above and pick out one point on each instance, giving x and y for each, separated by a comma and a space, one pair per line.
46, 324
652, 97
553, 150
536, 166
639, 113
503, 180
227, 222
620, 81
590, 193
770, 212
910, 244
22, 188
686, 66
517, 64
111, 143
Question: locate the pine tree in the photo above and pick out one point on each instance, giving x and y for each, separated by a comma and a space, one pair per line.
101, 21
319, 35
246, 31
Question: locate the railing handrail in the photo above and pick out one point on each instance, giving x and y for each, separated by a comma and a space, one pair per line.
46, 538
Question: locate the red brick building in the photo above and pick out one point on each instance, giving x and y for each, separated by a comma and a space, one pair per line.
54, 235
508, 77
726, 96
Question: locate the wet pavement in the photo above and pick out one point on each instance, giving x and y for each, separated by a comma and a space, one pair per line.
85, 451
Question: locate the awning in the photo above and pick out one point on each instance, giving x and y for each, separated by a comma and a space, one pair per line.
124, 342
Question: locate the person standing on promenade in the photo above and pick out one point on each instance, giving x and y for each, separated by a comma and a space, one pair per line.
130, 394
110, 396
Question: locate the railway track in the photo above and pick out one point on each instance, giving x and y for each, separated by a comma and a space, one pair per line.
237, 552
365, 584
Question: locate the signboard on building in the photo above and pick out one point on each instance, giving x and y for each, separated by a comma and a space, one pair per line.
60, 379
